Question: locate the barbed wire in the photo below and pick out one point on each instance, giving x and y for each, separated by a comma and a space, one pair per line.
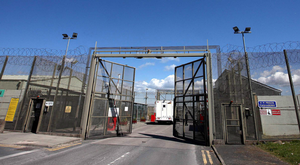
261, 56
80, 54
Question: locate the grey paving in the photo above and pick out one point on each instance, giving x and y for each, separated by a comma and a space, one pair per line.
246, 155
31, 139
147, 145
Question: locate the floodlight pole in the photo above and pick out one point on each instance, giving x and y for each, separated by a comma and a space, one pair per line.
69, 38
146, 96
74, 36
248, 76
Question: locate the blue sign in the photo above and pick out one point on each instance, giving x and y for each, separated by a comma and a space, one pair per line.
267, 103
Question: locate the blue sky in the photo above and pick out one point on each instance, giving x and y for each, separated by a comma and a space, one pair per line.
114, 23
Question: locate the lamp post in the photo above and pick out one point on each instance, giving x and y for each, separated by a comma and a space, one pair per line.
146, 96
247, 30
66, 37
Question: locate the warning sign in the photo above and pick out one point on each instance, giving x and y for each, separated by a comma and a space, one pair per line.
68, 109
12, 109
269, 112
263, 112
276, 112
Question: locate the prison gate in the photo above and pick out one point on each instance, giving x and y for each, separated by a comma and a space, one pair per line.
112, 85
52, 94
191, 102
112, 100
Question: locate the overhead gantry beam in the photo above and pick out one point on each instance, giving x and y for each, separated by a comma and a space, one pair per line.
151, 53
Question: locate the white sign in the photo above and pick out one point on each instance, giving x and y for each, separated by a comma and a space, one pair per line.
49, 103
126, 108
269, 112
113, 112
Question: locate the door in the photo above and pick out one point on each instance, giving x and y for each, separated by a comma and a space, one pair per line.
234, 131
35, 111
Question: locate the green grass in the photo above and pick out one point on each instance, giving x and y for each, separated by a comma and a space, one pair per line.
287, 151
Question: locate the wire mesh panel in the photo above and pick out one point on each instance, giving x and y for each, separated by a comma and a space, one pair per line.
15, 77
190, 102
112, 107
59, 87
234, 131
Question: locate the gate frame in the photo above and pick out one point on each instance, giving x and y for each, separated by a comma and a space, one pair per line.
242, 121
147, 52
203, 64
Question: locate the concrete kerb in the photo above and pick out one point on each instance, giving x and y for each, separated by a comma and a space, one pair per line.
28, 144
218, 155
13, 139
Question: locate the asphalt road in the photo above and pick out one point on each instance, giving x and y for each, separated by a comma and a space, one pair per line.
148, 144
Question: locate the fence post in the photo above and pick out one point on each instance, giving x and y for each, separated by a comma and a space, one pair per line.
87, 101
25, 94
3, 67
56, 92
292, 87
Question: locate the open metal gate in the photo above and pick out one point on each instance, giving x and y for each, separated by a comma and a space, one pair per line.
191, 102
196, 108
112, 100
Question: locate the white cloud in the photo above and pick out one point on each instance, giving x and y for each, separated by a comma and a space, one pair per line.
274, 70
170, 67
166, 83
277, 77
167, 59
146, 64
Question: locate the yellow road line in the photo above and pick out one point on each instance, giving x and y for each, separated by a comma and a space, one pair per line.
204, 157
11, 146
62, 147
209, 157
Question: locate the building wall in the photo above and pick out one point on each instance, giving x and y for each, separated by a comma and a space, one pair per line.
279, 125
4, 104
12, 84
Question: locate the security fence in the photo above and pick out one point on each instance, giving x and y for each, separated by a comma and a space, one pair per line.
273, 114
51, 89
51, 92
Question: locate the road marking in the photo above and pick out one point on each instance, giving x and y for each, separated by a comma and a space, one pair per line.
204, 157
119, 158
17, 154
11, 146
209, 157
62, 147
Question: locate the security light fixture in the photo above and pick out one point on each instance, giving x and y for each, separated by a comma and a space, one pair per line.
74, 35
247, 29
236, 29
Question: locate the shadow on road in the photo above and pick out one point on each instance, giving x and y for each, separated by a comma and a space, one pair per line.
184, 140
154, 123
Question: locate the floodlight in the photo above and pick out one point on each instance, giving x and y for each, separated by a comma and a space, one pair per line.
236, 29
74, 35
247, 29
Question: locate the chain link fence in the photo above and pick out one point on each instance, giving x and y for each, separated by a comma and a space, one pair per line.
272, 115
51, 89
